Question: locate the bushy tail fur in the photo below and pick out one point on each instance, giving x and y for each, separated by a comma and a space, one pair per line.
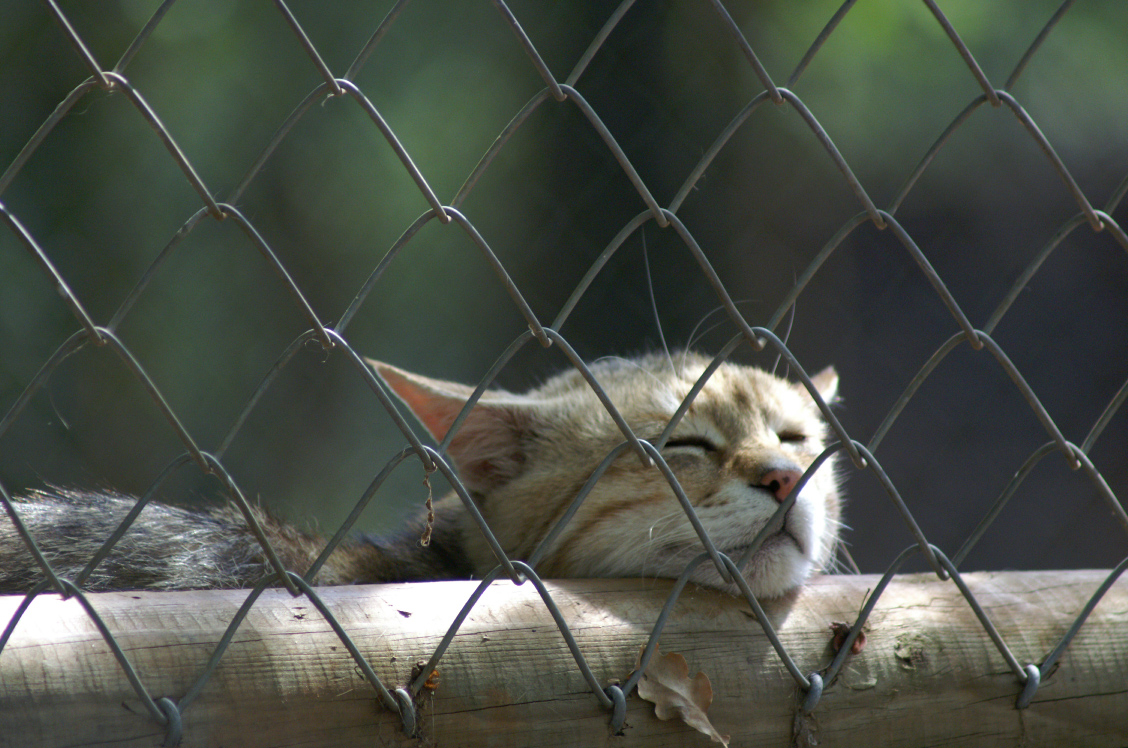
169, 548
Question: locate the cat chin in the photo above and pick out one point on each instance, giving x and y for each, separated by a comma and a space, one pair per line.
776, 569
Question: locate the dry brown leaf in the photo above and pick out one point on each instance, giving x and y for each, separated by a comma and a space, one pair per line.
840, 631
667, 684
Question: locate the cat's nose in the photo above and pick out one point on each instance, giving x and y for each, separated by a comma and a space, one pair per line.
780, 482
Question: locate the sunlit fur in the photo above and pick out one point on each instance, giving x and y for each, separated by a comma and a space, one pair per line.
525, 458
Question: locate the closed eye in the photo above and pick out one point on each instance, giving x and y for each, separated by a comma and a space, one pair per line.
792, 437
698, 442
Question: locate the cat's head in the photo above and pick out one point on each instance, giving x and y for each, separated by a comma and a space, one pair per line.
742, 445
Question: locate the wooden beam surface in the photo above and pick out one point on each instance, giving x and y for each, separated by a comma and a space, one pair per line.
929, 674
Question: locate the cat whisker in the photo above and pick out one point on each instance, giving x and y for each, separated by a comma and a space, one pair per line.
653, 302
664, 534
694, 337
786, 337
693, 333
668, 517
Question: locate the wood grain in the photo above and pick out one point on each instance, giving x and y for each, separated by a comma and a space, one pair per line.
929, 674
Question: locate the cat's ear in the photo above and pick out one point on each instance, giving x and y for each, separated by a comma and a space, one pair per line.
488, 448
826, 382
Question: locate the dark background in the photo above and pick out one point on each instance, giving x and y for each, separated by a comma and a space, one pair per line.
102, 197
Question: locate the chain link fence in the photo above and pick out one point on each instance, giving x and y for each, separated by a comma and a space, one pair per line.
302, 298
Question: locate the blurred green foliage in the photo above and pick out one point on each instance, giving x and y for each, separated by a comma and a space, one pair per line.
102, 197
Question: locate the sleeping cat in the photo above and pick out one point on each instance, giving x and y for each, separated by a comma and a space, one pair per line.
738, 452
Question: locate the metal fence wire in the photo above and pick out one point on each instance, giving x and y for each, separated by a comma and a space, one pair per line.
334, 338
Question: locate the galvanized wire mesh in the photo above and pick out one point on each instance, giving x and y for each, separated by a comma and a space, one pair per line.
334, 339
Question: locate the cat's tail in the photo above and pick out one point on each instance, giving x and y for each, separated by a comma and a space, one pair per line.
169, 548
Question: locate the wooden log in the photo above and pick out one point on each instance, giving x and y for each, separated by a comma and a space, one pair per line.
929, 674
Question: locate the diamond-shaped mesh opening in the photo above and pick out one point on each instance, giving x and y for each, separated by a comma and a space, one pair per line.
204, 235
